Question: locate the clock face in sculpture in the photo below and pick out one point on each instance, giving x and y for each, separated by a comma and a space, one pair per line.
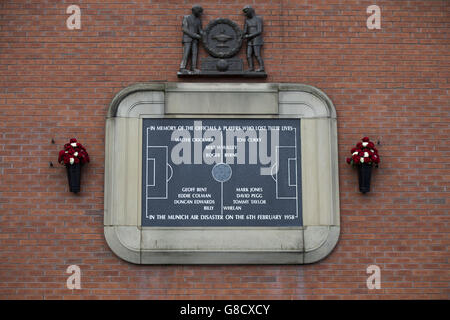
222, 38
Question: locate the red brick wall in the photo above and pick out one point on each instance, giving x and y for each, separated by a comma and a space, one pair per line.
390, 84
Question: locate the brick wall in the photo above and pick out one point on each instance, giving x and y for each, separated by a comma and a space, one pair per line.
389, 84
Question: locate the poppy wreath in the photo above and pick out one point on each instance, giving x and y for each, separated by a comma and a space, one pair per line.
73, 153
364, 153
73, 156
364, 157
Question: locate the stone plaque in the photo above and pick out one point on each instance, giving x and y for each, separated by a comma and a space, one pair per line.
221, 172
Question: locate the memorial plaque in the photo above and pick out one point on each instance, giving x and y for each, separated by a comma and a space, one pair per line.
221, 172
187, 182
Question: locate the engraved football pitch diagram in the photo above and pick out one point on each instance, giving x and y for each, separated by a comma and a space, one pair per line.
164, 178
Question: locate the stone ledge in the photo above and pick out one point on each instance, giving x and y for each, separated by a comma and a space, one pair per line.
125, 242
319, 241
228, 87
218, 74
221, 258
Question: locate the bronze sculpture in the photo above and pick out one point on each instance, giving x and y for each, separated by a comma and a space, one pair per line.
222, 40
192, 33
253, 33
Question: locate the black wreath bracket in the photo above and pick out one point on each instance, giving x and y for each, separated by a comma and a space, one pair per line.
222, 39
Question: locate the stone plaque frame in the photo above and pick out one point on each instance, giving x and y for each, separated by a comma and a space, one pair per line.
221, 245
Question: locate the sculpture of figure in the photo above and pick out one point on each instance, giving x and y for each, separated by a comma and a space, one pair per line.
253, 33
192, 32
